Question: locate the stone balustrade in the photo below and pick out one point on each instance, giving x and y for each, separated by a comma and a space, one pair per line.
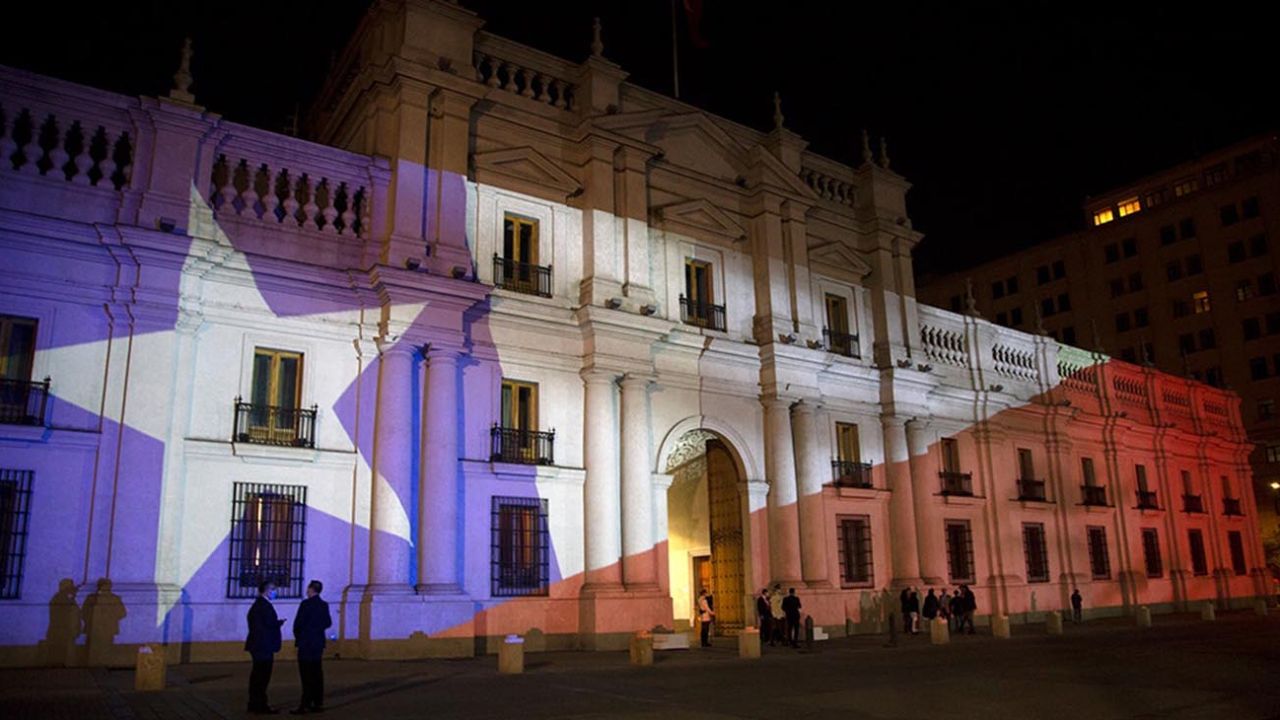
942, 339
1014, 363
828, 187
518, 69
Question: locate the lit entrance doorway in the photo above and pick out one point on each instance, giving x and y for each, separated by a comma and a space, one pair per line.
705, 542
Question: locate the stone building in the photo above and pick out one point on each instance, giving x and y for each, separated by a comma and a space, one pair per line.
1177, 269
516, 346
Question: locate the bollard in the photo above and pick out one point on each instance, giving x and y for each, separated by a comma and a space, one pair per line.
1053, 622
749, 644
149, 671
1000, 626
642, 648
808, 632
1143, 617
1260, 607
1207, 612
511, 655
893, 631
939, 632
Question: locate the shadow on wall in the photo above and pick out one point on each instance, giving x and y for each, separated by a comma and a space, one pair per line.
64, 626
103, 611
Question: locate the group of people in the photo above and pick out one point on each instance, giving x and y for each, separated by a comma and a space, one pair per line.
778, 616
264, 642
956, 608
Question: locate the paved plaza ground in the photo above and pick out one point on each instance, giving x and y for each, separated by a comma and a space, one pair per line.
1181, 668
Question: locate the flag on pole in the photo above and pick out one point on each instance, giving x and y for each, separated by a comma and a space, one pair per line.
693, 19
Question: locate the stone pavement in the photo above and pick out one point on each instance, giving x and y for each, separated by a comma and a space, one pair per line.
1181, 669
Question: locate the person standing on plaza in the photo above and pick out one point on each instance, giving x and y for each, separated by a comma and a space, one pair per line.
970, 603
779, 617
957, 610
904, 600
913, 612
262, 645
944, 607
1077, 606
308, 634
705, 616
930, 606
764, 616
791, 606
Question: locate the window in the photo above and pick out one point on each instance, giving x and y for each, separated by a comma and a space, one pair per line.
520, 239
1015, 317
1069, 335
1235, 251
517, 268
1187, 488
519, 405
838, 338
1117, 287
21, 402
1104, 216
1266, 408
1185, 187
1228, 215
1011, 285
1129, 246
950, 455
15, 503
1129, 355
848, 447
1064, 302
1235, 541
1059, 269
1251, 328
1195, 543
1208, 340
1181, 308
1141, 318
1258, 368
997, 290
1112, 252
1129, 206
1042, 275
1168, 235
1195, 265
274, 415
1213, 376
697, 306
1187, 343
1249, 207
1046, 307
1037, 552
1026, 464
1135, 282
1140, 473
1215, 175
853, 533
1257, 246
1086, 471
1187, 228
959, 551
1151, 552
520, 548
956, 304
1173, 270
268, 529
1099, 560
1200, 301
1244, 290
1267, 284
1158, 196
1122, 322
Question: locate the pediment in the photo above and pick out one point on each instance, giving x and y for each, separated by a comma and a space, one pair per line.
689, 140
698, 217
838, 256
527, 170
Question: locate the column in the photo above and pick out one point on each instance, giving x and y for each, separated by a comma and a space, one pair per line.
438, 510
390, 538
811, 472
902, 513
780, 463
924, 481
639, 569
601, 501
661, 486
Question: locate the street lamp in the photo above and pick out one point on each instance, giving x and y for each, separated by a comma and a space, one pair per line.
1275, 495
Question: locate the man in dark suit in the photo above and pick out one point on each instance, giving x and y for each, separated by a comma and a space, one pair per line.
308, 634
262, 645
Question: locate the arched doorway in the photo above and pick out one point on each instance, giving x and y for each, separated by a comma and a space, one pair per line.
705, 542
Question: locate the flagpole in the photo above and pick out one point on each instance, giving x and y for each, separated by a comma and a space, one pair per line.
675, 56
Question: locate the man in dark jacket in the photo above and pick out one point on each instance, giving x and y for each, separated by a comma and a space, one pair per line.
308, 634
970, 608
262, 644
791, 606
764, 614
930, 606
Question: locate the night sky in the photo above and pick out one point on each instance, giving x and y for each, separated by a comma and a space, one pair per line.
1003, 119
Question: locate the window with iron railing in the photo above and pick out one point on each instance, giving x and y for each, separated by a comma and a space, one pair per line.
22, 401
846, 473
1095, 495
1231, 507
836, 335
517, 268
703, 315
520, 552
956, 483
270, 425
268, 534
1031, 489
1192, 503
516, 438
1147, 500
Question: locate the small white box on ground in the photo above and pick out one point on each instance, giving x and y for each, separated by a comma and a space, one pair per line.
820, 634
149, 671
1144, 616
1053, 623
670, 641
511, 655
749, 643
1000, 626
939, 631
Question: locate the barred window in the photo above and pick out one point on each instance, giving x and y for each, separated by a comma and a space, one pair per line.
1235, 542
854, 538
521, 547
268, 530
15, 503
1037, 552
1099, 560
1151, 552
960, 551
1195, 541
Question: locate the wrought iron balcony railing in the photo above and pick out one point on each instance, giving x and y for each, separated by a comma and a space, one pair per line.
841, 343
1147, 500
1231, 507
956, 483
1094, 495
1031, 489
23, 402
845, 473
703, 315
1192, 503
522, 277
526, 447
271, 425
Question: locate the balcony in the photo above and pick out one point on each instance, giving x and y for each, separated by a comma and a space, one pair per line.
1030, 489
1095, 495
23, 402
270, 425
841, 343
851, 474
1192, 503
1147, 500
956, 483
522, 277
703, 315
523, 447
1231, 507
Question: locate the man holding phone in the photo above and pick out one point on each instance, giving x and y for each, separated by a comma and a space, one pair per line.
262, 645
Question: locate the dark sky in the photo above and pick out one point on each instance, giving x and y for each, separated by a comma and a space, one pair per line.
1003, 118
